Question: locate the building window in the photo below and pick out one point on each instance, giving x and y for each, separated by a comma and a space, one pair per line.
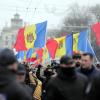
12, 43
12, 36
6, 42
6, 37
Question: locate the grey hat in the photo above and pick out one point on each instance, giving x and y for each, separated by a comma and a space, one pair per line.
7, 57
66, 60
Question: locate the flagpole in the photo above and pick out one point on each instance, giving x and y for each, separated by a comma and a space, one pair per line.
87, 37
93, 51
45, 46
89, 40
86, 45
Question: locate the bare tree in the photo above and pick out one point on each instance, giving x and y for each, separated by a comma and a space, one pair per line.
77, 16
96, 11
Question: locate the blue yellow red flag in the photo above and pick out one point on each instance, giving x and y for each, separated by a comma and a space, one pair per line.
82, 44
75, 41
31, 36
69, 44
61, 50
45, 55
41, 35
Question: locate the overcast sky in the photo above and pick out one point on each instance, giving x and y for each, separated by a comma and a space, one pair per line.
34, 11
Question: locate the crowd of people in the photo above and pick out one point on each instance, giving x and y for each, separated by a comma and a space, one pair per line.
73, 78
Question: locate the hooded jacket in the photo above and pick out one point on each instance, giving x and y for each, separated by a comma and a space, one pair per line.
10, 89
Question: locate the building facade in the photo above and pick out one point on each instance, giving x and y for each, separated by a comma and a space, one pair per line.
8, 34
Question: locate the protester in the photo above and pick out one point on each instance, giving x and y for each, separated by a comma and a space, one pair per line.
48, 73
38, 72
21, 74
88, 68
27, 68
44, 78
94, 93
68, 84
38, 85
77, 60
98, 65
32, 81
10, 89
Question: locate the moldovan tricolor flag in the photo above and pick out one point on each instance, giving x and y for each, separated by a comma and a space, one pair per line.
96, 30
31, 36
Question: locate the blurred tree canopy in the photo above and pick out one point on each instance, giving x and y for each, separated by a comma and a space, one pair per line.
96, 11
79, 18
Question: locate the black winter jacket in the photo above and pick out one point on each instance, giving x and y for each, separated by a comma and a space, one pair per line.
66, 87
10, 89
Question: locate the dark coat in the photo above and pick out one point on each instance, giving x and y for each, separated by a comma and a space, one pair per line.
91, 73
28, 88
66, 87
95, 90
10, 89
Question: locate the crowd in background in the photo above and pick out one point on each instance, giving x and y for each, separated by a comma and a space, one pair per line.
73, 78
